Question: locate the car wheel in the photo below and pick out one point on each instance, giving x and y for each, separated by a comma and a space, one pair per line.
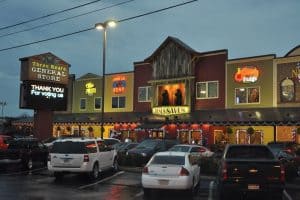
95, 173
115, 165
147, 192
58, 175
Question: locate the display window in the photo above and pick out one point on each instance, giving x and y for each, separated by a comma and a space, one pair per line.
247, 95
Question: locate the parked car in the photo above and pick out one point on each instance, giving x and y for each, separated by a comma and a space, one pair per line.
250, 170
141, 154
81, 155
288, 146
49, 142
25, 152
112, 142
4, 141
122, 150
191, 148
173, 171
290, 161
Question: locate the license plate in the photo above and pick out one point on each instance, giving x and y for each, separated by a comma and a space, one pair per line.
163, 182
253, 187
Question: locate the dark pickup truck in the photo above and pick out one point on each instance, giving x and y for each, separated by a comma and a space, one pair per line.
24, 152
247, 170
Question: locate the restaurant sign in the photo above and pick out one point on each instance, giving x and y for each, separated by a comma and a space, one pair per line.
246, 74
170, 110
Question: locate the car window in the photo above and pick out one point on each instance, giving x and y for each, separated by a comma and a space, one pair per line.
91, 147
195, 149
180, 148
168, 160
249, 152
147, 144
69, 147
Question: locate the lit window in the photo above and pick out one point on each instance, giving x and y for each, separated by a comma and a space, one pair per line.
207, 90
247, 95
144, 94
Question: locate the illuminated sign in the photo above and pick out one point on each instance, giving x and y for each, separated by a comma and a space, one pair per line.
170, 110
90, 88
247, 74
119, 84
296, 72
46, 68
47, 91
41, 95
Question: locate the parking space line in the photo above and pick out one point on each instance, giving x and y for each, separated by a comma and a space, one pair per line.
103, 180
23, 172
287, 195
139, 194
210, 192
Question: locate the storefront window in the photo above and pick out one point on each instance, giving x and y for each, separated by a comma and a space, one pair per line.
97, 103
247, 95
287, 90
205, 90
144, 94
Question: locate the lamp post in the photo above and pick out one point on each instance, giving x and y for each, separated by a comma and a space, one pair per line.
2, 104
103, 26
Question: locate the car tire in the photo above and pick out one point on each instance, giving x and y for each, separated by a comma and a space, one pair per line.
147, 192
58, 175
94, 174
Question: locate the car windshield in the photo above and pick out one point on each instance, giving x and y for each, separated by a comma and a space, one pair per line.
168, 160
147, 144
249, 152
69, 147
180, 148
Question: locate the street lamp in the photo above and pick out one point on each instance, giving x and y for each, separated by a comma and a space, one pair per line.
2, 104
103, 26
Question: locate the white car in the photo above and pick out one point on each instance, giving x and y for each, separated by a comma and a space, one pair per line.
81, 155
197, 149
172, 171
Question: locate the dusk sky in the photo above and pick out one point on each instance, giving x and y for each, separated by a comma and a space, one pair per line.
244, 27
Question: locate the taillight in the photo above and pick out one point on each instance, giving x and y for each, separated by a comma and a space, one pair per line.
282, 174
224, 171
145, 170
86, 158
184, 172
49, 158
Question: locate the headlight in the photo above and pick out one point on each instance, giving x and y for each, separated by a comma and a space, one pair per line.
144, 154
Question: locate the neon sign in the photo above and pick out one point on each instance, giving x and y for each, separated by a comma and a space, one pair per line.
170, 110
247, 74
90, 88
119, 84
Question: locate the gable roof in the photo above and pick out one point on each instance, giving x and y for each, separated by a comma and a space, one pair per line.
294, 52
44, 55
177, 42
88, 76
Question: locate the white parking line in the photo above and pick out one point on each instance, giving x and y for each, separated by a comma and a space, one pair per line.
139, 194
210, 194
287, 195
22, 172
106, 179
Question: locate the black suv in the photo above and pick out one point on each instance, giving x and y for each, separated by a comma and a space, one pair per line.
142, 153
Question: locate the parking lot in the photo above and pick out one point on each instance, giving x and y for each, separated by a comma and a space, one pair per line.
39, 184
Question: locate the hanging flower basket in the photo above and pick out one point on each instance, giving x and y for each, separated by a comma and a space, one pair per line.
229, 130
250, 130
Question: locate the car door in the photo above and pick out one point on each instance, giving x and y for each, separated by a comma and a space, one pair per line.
103, 155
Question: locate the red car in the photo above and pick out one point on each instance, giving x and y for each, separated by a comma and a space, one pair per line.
4, 141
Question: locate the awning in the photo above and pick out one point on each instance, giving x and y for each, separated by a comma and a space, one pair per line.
148, 126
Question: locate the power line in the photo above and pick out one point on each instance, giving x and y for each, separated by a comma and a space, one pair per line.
48, 15
92, 28
65, 19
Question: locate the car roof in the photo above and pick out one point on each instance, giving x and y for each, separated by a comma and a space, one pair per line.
82, 139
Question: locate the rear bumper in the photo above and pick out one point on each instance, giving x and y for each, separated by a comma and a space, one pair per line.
172, 183
241, 188
82, 169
